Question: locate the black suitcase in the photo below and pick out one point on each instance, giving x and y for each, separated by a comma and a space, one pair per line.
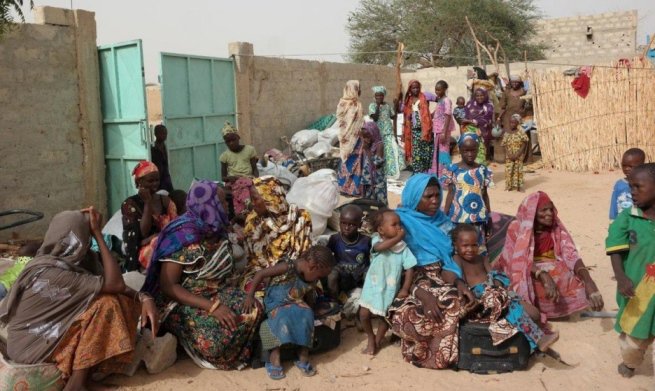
477, 353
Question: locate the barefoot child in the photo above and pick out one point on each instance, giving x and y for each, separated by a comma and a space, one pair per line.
290, 320
351, 250
621, 197
505, 313
390, 257
467, 182
515, 142
630, 244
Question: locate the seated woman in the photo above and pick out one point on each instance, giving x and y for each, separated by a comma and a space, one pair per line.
187, 278
428, 320
145, 214
274, 228
543, 264
59, 311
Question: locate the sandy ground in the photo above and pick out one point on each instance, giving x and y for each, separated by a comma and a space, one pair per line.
590, 344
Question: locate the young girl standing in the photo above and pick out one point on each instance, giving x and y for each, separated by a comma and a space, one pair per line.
290, 320
374, 179
389, 257
467, 181
443, 124
384, 115
630, 244
417, 127
515, 142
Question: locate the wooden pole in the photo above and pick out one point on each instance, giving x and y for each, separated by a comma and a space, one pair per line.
399, 85
475, 40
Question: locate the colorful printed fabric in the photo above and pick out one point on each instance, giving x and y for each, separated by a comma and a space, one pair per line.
373, 178
417, 123
394, 157
351, 171
144, 168
442, 158
424, 342
518, 258
459, 112
481, 157
241, 194
103, 337
52, 291
284, 232
383, 277
422, 152
205, 216
481, 115
631, 236
621, 198
289, 320
469, 184
426, 236
514, 141
503, 311
132, 211
350, 118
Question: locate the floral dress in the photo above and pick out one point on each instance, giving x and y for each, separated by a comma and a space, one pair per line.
442, 158
468, 202
210, 344
514, 141
393, 155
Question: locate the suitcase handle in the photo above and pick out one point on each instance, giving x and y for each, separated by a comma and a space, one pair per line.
492, 353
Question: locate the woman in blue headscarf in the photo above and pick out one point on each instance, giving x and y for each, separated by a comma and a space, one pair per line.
427, 320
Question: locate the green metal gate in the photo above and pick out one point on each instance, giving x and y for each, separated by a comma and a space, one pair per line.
198, 96
126, 135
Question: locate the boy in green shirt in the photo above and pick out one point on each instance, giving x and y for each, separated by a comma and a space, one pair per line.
630, 244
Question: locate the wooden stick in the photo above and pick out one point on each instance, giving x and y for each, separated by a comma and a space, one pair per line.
399, 86
475, 39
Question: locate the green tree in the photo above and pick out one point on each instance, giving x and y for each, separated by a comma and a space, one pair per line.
7, 10
435, 32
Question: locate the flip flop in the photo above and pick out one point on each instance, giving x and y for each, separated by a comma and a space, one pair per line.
274, 372
306, 368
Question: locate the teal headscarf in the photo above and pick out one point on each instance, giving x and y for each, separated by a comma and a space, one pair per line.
427, 236
379, 90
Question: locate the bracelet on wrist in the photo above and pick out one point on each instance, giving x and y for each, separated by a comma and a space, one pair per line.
214, 306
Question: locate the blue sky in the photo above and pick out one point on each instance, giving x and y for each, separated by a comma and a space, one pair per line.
277, 27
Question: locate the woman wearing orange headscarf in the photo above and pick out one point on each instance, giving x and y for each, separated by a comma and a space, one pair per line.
417, 127
145, 214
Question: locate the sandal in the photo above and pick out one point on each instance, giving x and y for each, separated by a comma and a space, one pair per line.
306, 368
274, 372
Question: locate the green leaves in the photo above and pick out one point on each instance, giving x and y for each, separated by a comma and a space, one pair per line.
7, 18
435, 33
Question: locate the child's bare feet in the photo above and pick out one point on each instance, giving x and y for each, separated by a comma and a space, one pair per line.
371, 347
547, 340
626, 371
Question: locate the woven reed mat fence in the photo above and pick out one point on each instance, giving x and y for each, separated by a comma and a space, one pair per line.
591, 134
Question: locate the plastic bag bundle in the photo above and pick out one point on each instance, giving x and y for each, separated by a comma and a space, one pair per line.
319, 195
304, 139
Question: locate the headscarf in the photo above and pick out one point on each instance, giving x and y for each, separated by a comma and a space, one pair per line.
229, 129
53, 290
350, 118
205, 216
144, 168
379, 90
515, 78
482, 113
285, 231
521, 244
517, 117
424, 114
468, 136
427, 236
371, 128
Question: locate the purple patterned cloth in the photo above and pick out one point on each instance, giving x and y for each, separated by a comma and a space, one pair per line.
205, 216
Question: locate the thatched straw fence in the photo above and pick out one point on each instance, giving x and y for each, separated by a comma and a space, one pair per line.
591, 134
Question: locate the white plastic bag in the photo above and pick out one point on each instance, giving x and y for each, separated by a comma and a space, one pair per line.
330, 136
317, 150
304, 139
319, 195
280, 172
